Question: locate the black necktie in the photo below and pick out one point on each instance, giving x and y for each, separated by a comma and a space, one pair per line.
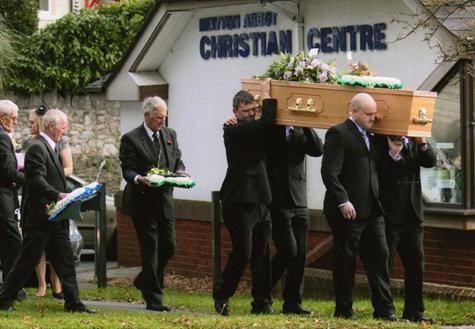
156, 143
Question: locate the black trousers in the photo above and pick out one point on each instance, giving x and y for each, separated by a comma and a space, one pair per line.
157, 241
56, 244
249, 227
290, 236
407, 240
365, 236
10, 243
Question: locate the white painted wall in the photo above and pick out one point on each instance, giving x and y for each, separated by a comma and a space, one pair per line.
201, 91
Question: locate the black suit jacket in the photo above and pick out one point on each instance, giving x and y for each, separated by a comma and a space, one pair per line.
137, 157
400, 181
246, 177
286, 166
349, 172
44, 176
9, 177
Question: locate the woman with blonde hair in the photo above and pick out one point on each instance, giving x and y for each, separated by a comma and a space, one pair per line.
35, 123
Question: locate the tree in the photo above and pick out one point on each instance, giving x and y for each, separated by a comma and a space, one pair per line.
21, 16
456, 16
8, 52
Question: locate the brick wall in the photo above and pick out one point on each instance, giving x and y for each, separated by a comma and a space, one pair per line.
450, 254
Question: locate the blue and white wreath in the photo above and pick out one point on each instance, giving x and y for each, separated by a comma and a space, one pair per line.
70, 206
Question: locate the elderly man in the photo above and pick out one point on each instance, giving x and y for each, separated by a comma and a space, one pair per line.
10, 177
145, 147
45, 183
353, 210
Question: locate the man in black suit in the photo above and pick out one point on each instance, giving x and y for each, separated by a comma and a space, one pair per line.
145, 147
353, 210
289, 213
10, 178
45, 183
245, 195
401, 197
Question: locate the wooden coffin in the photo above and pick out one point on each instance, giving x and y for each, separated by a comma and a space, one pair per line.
401, 112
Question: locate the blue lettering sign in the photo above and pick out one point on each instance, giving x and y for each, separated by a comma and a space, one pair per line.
260, 19
379, 36
336, 39
366, 37
220, 23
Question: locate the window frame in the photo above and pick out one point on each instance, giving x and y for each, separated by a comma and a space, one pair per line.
467, 133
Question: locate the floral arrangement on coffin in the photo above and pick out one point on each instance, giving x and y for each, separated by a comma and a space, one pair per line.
70, 206
309, 68
302, 67
360, 75
159, 177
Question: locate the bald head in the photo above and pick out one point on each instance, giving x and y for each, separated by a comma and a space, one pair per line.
363, 110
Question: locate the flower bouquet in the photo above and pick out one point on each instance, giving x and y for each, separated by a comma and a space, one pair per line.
70, 206
159, 177
360, 75
302, 67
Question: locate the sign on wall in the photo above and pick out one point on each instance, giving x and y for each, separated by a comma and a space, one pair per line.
233, 36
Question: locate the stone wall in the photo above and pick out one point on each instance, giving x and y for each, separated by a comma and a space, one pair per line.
94, 132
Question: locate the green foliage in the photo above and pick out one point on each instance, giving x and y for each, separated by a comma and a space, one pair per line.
7, 52
21, 16
77, 49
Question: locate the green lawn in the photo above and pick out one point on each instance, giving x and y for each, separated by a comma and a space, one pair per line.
195, 311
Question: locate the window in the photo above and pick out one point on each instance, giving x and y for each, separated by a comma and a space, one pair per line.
43, 5
443, 183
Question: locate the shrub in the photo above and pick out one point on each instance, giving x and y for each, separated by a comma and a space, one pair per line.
21, 16
77, 49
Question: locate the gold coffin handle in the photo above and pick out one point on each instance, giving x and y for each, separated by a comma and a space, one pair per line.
258, 100
422, 118
310, 106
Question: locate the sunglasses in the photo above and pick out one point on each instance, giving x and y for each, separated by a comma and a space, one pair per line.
41, 110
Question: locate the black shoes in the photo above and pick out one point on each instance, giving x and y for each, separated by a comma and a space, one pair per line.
262, 309
348, 315
295, 309
21, 295
58, 295
158, 307
221, 307
79, 309
6, 307
388, 317
418, 319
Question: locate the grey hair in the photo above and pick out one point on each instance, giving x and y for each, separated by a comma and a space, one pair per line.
7, 107
53, 116
152, 103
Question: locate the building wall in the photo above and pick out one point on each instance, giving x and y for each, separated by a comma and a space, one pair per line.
450, 254
94, 132
201, 91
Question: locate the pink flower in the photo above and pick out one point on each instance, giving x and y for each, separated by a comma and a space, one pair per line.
323, 77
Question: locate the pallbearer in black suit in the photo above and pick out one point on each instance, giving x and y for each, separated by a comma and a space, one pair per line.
10, 178
45, 183
401, 197
353, 210
152, 210
289, 213
246, 196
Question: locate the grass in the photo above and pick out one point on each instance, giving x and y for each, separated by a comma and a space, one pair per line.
194, 310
